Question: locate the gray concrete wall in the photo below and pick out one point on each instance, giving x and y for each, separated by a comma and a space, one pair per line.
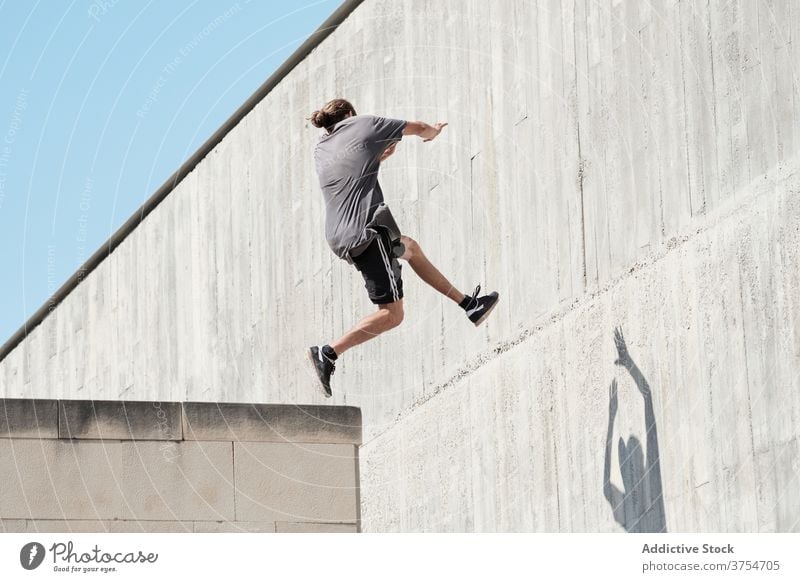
590, 145
124, 466
523, 440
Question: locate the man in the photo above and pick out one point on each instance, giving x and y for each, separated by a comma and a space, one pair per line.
361, 230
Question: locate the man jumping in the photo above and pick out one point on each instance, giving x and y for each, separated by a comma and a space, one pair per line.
361, 230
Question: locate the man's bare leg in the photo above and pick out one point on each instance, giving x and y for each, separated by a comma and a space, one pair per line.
388, 316
427, 272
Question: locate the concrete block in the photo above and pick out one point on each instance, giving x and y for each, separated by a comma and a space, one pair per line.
105, 419
28, 418
291, 527
234, 527
154, 526
296, 482
147, 526
67, 526
13, 525
206, 421
94, 526
49, 479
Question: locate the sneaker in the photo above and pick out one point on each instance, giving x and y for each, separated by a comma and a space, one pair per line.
323, 367
479, 308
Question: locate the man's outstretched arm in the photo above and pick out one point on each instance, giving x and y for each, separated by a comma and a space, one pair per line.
425, 131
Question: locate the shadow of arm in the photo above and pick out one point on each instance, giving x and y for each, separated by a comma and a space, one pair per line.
652, 456
625, 360
612, 494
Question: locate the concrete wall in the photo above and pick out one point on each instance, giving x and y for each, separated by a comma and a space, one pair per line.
590, 146
123, 466
706, 433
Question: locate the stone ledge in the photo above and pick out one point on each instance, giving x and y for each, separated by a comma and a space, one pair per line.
28, 418
119, 419
178, 421
271, 423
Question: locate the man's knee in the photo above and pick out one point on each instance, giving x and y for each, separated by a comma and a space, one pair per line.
411, 248
397, 316
394, 314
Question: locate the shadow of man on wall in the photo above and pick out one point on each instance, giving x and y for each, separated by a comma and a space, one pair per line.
640, 507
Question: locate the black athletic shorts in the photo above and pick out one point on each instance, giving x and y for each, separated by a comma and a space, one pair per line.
381, 270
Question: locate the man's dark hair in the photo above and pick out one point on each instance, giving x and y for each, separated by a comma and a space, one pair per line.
332, 113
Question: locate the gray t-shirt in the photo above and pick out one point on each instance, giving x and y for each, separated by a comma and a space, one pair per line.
347, 164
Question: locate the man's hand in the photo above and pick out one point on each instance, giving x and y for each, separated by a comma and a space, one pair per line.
623, 358
388, 151
433, 131
423, 130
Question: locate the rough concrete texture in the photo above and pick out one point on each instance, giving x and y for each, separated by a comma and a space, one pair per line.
588, 143
116, 471
705, 437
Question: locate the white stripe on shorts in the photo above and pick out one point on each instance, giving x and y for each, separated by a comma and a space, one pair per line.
395, 294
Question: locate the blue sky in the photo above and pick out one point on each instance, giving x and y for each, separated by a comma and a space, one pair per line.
100, 101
